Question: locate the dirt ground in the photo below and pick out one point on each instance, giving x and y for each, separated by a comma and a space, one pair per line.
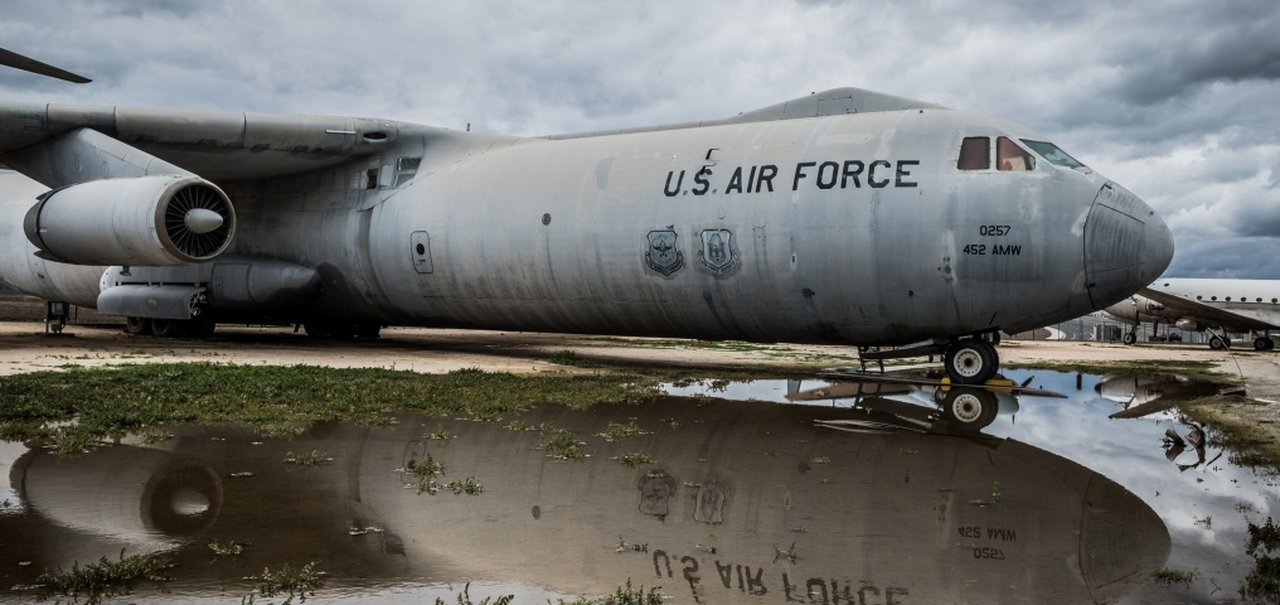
26, 347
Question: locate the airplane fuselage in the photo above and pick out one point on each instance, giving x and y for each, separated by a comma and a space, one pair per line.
856, 228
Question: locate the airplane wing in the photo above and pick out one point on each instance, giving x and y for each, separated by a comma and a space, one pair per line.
1207, 313
217, 145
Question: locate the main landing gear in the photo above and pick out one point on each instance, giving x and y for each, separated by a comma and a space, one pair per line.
1264, 343
970, 360
968, 409
199, 326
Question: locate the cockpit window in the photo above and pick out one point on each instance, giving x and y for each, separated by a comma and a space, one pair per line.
975, 154
1051, 152
1011, 157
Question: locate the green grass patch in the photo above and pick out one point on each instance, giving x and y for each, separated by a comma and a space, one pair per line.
1250, 443
296, 583
617, 431
424, 473
73, 408
634, 459
105, 578
564, 445
313, 458
465, 598
229, 549
567, 357
623, 595
1168, 577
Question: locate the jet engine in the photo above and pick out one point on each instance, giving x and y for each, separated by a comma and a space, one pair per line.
168, 219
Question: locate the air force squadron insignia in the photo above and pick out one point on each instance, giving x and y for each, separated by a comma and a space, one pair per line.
662, 256
717, 251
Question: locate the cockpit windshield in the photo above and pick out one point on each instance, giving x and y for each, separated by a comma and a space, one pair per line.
1051, 152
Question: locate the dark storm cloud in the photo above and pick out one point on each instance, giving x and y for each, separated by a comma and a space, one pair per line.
1242, 258
1176, 100
1229, 42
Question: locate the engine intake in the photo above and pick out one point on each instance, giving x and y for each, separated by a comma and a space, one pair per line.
144, 221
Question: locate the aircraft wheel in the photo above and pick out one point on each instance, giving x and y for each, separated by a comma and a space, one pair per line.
169, 328
971, 361
1263, 343
969, 410
137, 326
1218, 343
1129, 338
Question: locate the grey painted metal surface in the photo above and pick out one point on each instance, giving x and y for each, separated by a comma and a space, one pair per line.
835, 227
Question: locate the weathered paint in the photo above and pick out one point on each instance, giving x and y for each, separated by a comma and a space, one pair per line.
850, 228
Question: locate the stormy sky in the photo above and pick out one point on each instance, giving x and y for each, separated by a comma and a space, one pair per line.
1179, 101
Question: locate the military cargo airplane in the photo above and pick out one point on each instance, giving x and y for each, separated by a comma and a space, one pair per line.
846, 216
1218, 306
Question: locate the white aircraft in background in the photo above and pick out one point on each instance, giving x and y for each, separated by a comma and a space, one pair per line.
1217, 306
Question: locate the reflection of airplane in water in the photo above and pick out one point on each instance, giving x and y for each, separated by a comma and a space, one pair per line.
1142, 396
917, 402
742, 502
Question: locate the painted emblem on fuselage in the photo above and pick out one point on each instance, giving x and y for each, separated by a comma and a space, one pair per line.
717, 251
662, 256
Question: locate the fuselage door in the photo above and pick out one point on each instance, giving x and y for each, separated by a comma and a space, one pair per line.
420, 251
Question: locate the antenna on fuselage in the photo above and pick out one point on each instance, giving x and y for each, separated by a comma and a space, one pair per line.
17, 61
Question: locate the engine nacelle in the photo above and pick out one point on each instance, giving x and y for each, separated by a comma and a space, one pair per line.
169, 219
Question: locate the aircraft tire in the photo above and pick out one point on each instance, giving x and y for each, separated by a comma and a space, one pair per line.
1129, 338
1218, 343
969, 410
138, 326
1263, 343
970, 361
168, 328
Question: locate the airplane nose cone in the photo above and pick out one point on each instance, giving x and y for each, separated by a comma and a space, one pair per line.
1127, 246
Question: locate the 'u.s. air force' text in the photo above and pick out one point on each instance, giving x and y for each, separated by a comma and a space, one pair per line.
847, 174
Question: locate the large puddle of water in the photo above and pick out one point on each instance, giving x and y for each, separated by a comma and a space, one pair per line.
788, 493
